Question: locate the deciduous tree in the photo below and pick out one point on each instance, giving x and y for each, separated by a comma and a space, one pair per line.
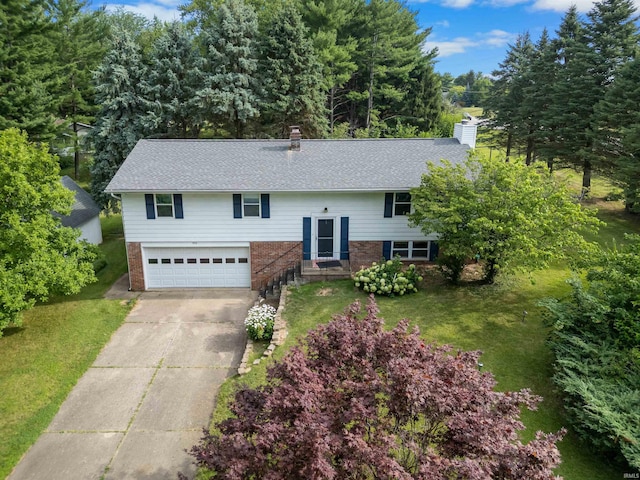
513, 216
38, 256
356, 401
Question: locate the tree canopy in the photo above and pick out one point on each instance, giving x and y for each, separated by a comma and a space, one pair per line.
356, 401
512, 216
38, 256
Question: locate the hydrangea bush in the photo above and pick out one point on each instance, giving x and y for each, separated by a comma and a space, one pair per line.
259, 322
388, 278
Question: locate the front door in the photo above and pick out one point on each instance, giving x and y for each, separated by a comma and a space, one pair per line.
325, 231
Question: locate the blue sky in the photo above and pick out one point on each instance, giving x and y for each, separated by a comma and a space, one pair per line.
469, 34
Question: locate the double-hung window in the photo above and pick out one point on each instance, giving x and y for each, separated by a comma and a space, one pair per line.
402, 203
251, 204
397, 204
164, 205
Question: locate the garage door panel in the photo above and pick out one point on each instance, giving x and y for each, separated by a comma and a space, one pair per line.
197, 267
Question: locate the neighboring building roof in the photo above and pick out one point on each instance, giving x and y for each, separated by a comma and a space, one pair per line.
270, 166
83, 209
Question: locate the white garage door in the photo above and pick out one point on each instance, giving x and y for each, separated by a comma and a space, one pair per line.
197, 267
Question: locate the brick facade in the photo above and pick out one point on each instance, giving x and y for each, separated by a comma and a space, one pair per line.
269, 259
136, 272
362, 254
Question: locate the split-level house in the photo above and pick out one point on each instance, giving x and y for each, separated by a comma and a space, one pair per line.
233, 213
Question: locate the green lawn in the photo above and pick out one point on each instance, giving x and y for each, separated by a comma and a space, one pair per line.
44, 358
471, 317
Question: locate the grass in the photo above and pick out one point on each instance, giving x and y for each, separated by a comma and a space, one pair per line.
44, 358
471, 317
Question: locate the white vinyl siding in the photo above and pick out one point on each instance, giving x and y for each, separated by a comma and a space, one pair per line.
209, 218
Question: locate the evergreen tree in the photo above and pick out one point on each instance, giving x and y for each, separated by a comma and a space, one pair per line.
330, 23
26, 70
425, 92
231, 85
171, 85
118, 127
78, 39
618, 117
292, 77
507, 93
389, 50
538, 80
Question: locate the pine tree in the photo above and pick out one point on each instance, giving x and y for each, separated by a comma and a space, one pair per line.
618, 118
26, 70
329, 22
78, 38
425, 92
507, 93
118, 127
538, 81
171, 85
292, 77
389, 50
231, 85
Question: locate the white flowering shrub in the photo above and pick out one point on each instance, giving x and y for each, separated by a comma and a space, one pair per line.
259, 322
388, 278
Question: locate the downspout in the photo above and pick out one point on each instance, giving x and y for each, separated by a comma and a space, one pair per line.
125, 245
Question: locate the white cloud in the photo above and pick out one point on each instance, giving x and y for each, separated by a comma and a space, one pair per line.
563, 5
442, 23
447, 48
164, 10
457, 3
491, 39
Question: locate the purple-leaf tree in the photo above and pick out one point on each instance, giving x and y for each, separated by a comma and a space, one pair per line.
355, 401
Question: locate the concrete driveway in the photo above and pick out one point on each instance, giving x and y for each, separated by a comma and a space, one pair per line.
149, 392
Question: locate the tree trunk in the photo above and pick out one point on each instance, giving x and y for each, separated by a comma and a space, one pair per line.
586, 178
371, 80
509, 140
530, 145
332, 113
76, 153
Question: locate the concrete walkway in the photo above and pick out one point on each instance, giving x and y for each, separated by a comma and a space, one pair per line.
149, 392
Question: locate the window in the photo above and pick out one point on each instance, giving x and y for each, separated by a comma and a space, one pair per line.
191, 260
153, 261
410, 249
165, 261
402, 203
178, 260
251, 204
164, 205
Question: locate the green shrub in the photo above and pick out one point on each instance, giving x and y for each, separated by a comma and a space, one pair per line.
388, 278
259, 322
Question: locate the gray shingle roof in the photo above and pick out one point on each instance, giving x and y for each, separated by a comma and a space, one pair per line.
84, 207
269, 165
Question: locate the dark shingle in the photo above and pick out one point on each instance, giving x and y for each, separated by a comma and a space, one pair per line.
84, 207
269, 165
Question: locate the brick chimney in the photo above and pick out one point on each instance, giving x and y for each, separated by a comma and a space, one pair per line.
295, 136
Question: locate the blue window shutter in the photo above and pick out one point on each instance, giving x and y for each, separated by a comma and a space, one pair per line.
306, 238
177, 204
151, 207
433, 251
344, 238
237, 205
264, 201
386, 250
388, 205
